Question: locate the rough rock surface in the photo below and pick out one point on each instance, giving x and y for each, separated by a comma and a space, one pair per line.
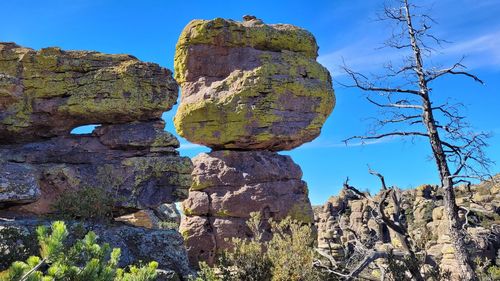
248, 85
161, 217
47, 93
347, 214
18, 241
228, 186
136, 163
18, 183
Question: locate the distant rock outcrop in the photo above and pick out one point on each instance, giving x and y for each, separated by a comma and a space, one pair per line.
129, 158
346, 218
248, 89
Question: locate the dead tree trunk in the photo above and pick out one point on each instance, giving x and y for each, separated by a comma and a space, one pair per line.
453, 143
454, 226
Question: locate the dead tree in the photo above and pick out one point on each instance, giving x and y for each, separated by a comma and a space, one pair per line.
406, 254
403, 95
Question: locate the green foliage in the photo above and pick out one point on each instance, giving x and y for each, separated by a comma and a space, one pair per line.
168, 225
88, 203
288, 256
485, 270
206, 273
85, 260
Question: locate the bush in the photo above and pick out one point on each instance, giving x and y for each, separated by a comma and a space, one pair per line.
85, 260
88, 203
288, 256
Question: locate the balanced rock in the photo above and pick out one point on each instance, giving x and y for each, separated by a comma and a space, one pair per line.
135, 163
49, 92
248, 85
228, 186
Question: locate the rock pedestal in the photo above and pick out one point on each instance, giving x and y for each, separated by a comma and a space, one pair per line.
228, 186
248, 90
129, 159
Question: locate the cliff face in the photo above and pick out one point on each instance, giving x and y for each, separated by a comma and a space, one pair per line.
248, 90
347, 219
129, 161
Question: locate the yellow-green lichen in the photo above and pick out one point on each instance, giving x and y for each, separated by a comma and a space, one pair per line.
222, 213
144, 168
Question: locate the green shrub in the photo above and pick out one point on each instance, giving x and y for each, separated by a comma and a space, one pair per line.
288, 256
88, 203
168, 225
85, 260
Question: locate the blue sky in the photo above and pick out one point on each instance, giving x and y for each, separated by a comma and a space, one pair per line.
343, 28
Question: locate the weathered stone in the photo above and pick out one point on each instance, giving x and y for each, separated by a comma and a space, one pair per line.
18, 184
138, 174
142, 218
168, 212
228, 186
48, 92
247, 85
164, 216
422, 213
18, 241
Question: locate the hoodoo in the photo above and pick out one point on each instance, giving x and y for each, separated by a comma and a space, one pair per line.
248, 90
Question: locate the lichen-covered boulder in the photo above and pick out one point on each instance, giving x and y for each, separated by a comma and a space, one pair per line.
136, 164
48, 92
138, 245
228, 186
248, 85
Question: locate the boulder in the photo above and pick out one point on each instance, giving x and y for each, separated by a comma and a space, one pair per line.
138, 245
18, 184
164, 216
49, 92
228, 186
248, 85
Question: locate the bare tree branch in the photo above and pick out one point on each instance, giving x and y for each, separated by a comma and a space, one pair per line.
404, 134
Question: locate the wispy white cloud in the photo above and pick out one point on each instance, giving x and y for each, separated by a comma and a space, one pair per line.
189, 146
319, 143
479, 51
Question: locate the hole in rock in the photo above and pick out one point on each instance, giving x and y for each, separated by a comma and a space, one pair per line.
86, 129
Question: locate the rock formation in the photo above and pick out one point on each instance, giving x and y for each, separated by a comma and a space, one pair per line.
247, 85
129, 158
248, 90
49, 92
347, 217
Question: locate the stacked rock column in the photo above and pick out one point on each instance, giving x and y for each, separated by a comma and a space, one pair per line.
248, 90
